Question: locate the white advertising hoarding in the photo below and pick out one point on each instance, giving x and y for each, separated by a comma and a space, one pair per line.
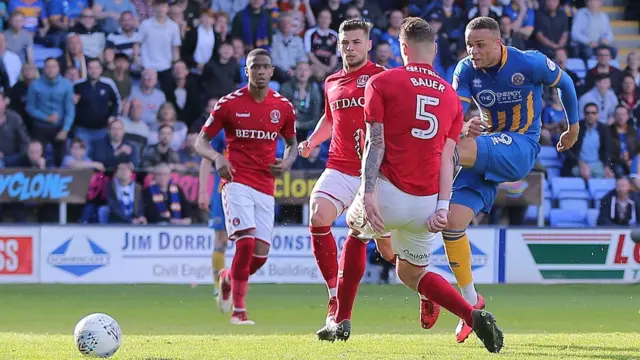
19, 254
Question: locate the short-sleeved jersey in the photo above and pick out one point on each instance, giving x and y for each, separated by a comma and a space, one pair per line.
420, 111
251, 131
344, 100
509, 96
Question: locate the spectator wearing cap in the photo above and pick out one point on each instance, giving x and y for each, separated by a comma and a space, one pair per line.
121, 76
306, 97
10, 61
50, 105
98, 104
77, 157
185, 94
149, 95
453, 19
591, 28
127, 40
287, 48
161, 40
603, 96
18, 93
125, 204
254, 26
222, 74
92, 36
109, 12
14, 139
63, 15
200, 43
510, 37
18, 40
321, 44
551, 28
618, 207
164, 201
603, 67
74, 56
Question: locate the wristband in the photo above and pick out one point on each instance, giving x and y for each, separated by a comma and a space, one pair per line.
443, 205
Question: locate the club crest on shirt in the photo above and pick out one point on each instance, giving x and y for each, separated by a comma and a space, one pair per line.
362, 81
477, 83
551, 65
235, 222
275, 116
517, 79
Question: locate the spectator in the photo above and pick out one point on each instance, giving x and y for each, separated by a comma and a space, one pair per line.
287, 48
164, 201
617, 206
590, 157
253, 25
196, 127
554, 121
603, 95
452, 15
127, 40
73, 75
222, 74
229, 7
337, 10
191, 10
73, 56
509, 37
306, 98
371, 12
382, 56
633, 66
78, 158
10, 61
108, 59
18, 40
185, 94
121, 76
160, 45
109, 13
167, 116
221, 27
200, 43
93, 39
391, 36
133, 124
33, 158
484, 8
125, 203
176, 13
98, 104
161, 151
189, 159
50, 105
150, 97
522, 18
14, 139
629, 97
444, 57
321, 44
35, 13
63, 15
144, 9
603, 67
561, 60
591, 28
18, 94
114, 148
552, 28
300, 15
624, 144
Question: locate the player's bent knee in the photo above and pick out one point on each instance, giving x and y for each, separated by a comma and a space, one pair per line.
460, 217
409, 274
384, 248
323, 212
468, 151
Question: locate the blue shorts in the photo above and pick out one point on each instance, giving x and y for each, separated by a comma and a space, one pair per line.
501, 157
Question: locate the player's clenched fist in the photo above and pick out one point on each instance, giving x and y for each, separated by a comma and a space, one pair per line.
568, 138
474, 127
304, 149
223, 166
438, 221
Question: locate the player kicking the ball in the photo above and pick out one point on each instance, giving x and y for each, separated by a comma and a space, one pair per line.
507, 86
253, 118
414, 119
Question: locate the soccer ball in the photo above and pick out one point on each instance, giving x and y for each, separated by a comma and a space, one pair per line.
98, 335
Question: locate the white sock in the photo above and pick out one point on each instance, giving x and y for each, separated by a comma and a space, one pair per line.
469, 293
333, 292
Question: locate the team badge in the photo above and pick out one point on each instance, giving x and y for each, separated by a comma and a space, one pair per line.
477, 83
275, 116
362, 81
551, 65
517, 79
236, 222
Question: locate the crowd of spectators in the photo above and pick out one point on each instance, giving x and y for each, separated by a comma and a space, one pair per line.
122, 85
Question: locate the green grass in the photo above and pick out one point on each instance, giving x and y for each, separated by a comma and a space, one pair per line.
181, 322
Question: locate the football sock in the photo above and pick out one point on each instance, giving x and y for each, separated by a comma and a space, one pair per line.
256, 263
353, 261
240, 268
456, 244
217, 261
438, 290
325, 251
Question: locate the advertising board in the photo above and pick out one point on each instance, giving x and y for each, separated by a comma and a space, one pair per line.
19, 256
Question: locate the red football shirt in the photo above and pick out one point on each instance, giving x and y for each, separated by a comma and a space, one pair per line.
344, 102
419, 111
251, 131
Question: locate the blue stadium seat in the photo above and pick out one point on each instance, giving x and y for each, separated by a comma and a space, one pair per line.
568, 217
591, 63
592, 217
569, 188
573, 204
41, 53
549, 157
577, 66
553, 172
600, 187
341, 221
532, 211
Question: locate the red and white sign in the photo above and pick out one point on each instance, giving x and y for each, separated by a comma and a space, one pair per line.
19, 254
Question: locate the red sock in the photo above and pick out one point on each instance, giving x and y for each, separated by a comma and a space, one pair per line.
240, 268
438, 290
256, 263
353, 261
325, 251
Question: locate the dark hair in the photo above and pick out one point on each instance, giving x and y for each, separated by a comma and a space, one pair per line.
125, 13
416, 29
621, 106
356, 24
121, 56
160, 2
165, 126
79, 142
589, 105
258, 52
122, 161
90, 60
483, 22
602, 77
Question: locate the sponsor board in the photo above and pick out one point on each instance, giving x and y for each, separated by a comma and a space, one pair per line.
571, 256
182, 255
19, 257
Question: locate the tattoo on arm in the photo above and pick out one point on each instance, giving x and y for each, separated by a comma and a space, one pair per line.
374, 152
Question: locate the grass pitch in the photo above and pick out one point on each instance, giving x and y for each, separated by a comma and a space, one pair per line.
181, 322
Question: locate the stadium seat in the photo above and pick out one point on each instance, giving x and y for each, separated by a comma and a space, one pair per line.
573, 204
569, 188
568, 217
553, 172
532, 211
577, 66
592, 217
549, 157
41, 53
600, 187
341, 221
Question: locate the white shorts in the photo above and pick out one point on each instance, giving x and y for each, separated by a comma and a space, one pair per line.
247, 208
405, 216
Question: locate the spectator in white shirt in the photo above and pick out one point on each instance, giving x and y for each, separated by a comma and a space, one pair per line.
200, 42
591, 28
11, 61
